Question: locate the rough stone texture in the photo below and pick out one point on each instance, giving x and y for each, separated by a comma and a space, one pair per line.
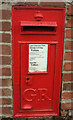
28, 3
5, 71
68, 66
67, 76
69, 45
5, 82
70, 10
6, 92
5, 37
68, 56
6, 110
6, 49
69, 33
69, 22
5, 26
67, 95
5, 101
6, 60
6, 14
67, 106
55, 4
68, 86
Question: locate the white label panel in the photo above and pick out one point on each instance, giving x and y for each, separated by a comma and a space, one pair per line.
38, 57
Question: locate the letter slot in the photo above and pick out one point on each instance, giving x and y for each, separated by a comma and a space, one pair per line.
38, 27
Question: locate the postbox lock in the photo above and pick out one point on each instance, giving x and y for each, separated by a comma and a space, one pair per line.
38, 16
27, 80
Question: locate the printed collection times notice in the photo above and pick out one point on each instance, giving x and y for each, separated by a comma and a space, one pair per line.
38, 54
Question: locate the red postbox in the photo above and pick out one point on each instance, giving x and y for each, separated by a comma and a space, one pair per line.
37, 39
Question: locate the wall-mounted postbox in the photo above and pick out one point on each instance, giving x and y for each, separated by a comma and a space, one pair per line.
38, 34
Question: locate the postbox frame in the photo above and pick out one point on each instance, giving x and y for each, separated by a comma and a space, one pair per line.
16, 75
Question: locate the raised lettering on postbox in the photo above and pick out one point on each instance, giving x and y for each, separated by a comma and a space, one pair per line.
39, 94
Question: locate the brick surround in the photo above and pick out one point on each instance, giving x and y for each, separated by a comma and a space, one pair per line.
6, 91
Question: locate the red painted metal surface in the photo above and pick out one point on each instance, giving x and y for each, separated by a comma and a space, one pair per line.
37, 93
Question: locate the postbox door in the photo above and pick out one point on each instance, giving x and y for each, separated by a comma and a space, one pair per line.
37, 76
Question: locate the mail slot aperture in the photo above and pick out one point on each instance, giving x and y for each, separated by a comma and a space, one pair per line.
38, 27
